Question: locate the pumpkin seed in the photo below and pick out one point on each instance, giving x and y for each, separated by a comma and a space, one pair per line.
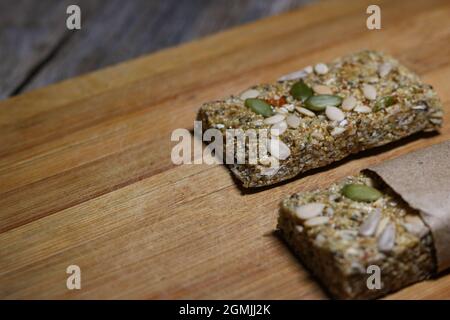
301, 91
259, 106
361, 192
320, 102
384, 102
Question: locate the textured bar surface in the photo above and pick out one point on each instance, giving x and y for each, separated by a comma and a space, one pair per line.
340, 243
318, 139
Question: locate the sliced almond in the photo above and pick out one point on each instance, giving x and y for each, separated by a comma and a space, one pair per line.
386, 240
316, 221
310, 210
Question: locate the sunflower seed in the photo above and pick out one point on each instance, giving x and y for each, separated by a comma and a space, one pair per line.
251, 93
348, 103
316, 221
369, 91
362, 109
321, 89
383, 223
274, 119
270, 171
278, 149
310, 210
386, 240
294, 75
293, 121
282, 111
369, 226
308, 69
317, 135
321, 68
305, 112
413, 224
334, 114
320, 240
278, 128
337, 131
289, 107
420, 107
265, 161
384, 69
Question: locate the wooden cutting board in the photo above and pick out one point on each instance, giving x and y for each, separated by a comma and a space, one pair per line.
86, 177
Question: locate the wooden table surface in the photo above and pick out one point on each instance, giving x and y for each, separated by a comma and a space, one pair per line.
86, 176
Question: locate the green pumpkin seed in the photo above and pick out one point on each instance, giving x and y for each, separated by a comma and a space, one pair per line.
361, 192
301, 91
259, 106
321, 102
384, 102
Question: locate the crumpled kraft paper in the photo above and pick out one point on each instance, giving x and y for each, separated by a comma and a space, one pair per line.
422, 179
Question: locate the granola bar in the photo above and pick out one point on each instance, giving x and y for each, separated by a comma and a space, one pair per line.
339, 232
358, 102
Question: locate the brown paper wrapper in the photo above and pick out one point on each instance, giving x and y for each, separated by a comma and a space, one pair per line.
422, 179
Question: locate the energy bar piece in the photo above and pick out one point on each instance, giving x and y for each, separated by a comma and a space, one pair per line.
356, 229
357, 102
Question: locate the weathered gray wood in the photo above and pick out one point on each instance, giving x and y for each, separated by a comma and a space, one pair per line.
25, 39
31, 32
37, 49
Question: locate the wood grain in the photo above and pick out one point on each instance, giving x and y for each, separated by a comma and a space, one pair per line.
86, 176
38, 49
